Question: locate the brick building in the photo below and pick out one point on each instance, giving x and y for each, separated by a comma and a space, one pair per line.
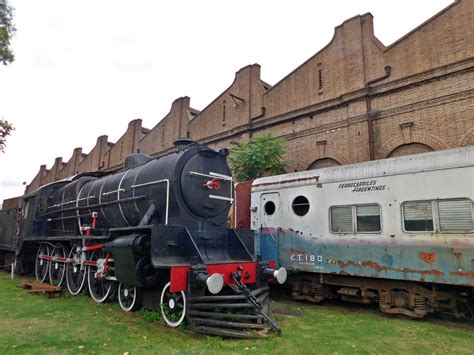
355, 100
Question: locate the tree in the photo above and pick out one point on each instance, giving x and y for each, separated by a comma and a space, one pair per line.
5, 130
7, 31
261, 155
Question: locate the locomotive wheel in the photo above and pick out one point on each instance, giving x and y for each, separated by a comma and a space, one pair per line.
129, 297
75, 272
100, 289
57, 270
42, 265
173, 306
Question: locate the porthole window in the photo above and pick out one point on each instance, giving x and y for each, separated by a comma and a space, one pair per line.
300, 205
269, 207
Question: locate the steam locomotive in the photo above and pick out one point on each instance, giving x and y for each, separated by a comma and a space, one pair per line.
153, 235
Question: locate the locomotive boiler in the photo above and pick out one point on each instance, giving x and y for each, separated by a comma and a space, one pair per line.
153, 235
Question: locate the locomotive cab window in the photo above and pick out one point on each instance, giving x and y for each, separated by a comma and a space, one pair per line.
26, 210
300, 205
449, 215
355, 219
43, 204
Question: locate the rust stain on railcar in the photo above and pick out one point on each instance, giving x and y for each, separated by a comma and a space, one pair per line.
428, 258
298, 252
458, 257
287, 181
376, 266
461, 273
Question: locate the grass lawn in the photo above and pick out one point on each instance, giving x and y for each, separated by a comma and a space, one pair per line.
34, 324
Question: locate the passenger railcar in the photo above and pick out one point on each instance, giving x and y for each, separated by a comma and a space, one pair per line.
398, 231
153, 235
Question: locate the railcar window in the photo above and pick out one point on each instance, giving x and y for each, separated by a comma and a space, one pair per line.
455, 215
300, 205
269, 207
341, 219
368, 218
418, 216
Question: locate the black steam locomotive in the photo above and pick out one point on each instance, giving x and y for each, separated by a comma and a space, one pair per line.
153, 235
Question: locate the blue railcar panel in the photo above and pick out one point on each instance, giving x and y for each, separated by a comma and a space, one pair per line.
423, 262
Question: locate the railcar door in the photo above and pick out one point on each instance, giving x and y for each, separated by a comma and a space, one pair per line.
270, 214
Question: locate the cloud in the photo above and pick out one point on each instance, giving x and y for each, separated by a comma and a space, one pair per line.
42, 62
11, 183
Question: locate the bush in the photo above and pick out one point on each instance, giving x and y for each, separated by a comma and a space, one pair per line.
261, 155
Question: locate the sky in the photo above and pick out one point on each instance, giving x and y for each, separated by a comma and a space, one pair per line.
86, 68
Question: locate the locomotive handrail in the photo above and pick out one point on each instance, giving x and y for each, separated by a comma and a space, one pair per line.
167, 193
216, 197
67, 202
268, 229
113, 192
212, 175
77, 208
221, 176
69, 217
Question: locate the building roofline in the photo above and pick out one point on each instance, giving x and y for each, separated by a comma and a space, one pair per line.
318, 52
420, 26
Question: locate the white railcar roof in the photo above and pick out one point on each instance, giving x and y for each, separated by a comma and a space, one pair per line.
409, 164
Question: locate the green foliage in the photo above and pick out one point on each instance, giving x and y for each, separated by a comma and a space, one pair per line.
262, 155
7, 31
5, 130
155, 316
152, 315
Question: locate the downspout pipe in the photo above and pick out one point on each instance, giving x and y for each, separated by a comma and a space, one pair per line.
388, 70
250, 130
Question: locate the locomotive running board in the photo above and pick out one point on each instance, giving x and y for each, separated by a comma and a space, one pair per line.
231, 315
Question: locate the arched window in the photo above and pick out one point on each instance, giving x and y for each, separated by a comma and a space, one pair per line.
410, 148
323, 163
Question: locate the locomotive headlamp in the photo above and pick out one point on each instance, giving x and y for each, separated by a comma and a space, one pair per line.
280, 275
214, 283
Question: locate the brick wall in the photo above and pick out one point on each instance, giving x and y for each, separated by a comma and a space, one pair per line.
233, 108
173, 126
341, 106
72, 166
95, 160
126, 145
